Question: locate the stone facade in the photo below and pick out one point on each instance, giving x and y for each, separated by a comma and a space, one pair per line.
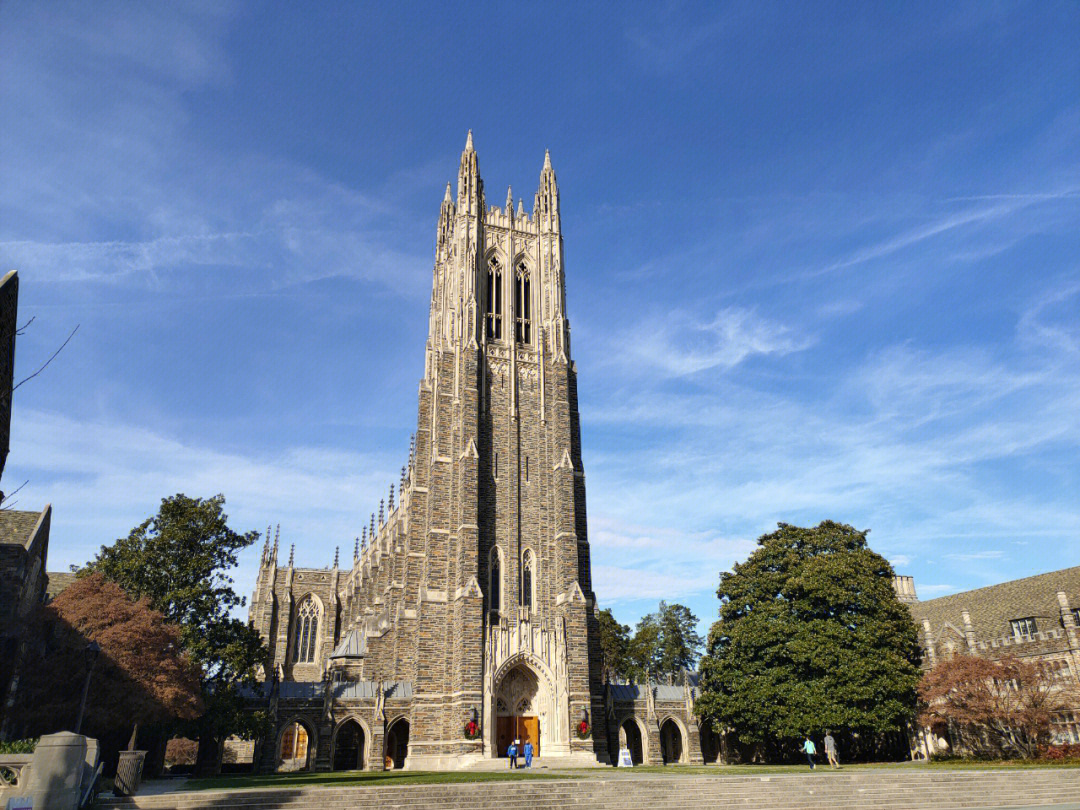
1035, 618
469, 597
24, 546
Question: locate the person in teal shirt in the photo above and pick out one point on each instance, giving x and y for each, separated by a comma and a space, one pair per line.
527, 750
810, 749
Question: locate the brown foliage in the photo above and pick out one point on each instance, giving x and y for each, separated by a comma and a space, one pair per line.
140, 676
993, 708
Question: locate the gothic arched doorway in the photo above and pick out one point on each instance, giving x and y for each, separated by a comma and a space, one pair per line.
522, 710
671, 742
349, 747
630, 735
710, 743
293, 747
397, 744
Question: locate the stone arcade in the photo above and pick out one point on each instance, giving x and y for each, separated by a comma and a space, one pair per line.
467, 616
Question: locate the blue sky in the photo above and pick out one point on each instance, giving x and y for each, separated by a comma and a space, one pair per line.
823, 261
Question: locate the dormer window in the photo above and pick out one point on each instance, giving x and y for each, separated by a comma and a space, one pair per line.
1024, 628
493, 304
522, 304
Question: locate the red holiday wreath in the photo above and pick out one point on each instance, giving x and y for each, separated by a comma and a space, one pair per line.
472, 730
583, 730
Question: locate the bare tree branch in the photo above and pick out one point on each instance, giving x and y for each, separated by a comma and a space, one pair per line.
62, 345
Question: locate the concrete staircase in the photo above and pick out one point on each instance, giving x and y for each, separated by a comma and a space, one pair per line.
887, 789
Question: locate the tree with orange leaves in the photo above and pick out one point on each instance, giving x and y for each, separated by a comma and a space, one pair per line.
141, 675
993, 708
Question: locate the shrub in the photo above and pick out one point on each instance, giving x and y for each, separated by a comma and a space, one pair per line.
18, 747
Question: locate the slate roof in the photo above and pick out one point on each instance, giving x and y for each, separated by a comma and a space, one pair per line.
343, 690
58, 581
354, 645
17, 526
994, 607
634, 691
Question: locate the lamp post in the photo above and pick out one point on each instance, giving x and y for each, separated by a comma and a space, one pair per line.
90, 654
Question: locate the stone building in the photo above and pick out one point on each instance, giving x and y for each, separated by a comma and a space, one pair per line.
466, 615
1034, 618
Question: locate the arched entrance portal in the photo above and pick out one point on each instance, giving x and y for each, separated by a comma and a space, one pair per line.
631, 735
522, 710
349, 747
294, 747
397, 744
671, 742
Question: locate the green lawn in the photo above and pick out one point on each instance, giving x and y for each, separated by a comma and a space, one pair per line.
342, 778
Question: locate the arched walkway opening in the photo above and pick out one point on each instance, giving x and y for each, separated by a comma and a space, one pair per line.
294, 747
397, 744
349, 747
631, 733
521, 710
671, 742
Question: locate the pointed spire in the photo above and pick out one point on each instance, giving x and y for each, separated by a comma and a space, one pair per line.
337, 552
363, 539
371, 531
468, 143
356, 550
382, 518
509, 201
390, 503
292, 554
547, 159
521, 208
401, 487
446, 197
277, 536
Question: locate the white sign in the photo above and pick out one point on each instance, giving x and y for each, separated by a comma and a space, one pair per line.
625, 760
23, 803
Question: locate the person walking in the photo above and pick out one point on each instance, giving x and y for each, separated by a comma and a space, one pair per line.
527, 750
830, 751
512, 752
810, 749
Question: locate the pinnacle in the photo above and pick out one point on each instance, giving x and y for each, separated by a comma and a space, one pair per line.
468, 143
446, 197
509, 199
547, 159
521, 208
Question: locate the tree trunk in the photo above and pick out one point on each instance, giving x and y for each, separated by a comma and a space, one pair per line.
208, 759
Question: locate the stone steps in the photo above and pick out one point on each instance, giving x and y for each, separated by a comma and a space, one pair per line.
866, 790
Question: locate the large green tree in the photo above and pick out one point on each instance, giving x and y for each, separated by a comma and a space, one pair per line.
614, 639
664, 643
180, 560
811, 637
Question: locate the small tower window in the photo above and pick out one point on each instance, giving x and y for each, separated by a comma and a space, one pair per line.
522, 304
527, 573
307, 631
493, 306
495, 580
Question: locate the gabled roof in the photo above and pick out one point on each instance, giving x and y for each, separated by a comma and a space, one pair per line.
994, 607
58, 581
17, 526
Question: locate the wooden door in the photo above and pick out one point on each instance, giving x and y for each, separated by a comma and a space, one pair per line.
528, 728
504, 734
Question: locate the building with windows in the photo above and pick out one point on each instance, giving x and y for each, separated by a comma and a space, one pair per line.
1033, 618
465, 618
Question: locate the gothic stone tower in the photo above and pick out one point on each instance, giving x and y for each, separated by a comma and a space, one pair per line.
471, 599
499, 455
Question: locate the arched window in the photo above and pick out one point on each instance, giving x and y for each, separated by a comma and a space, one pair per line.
493, 306
307, 631
522, 304
527, 577
495, 580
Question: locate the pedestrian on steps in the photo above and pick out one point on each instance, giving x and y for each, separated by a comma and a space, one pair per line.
512, 752
527, 750
810, 749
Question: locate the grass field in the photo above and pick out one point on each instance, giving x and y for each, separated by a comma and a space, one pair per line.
342, 778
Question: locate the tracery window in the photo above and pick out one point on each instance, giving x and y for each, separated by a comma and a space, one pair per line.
527, 573
1024, 628
493, 306
307, 631
522, 304
495, 580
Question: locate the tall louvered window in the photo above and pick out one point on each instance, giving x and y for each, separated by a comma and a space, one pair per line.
493, 304
527, 575
522, 304
495, 580
307, 631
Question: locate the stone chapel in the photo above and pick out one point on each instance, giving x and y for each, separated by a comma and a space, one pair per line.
466, 618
